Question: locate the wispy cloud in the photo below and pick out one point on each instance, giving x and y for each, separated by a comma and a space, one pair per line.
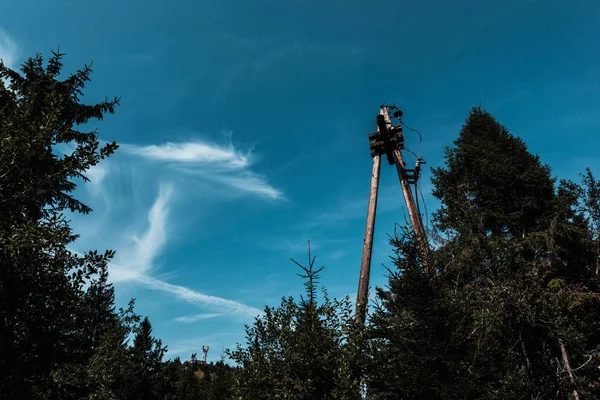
337, 255
263, 54
135, 263
200, 153
201, 299
187, 319
251, 182
136, 260
345, 210
8, 49
356, 208
96, 175
223, 165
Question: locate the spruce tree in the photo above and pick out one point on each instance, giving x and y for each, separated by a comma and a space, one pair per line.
300, 350
147, 353
507, 184
41, 281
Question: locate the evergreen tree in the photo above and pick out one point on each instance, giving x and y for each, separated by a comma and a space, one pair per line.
147, 353
111, 370
147, 350
590, 206
507, 184
41, 281
60, 334
300, 350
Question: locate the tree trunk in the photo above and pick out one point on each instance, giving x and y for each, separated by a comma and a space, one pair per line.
567, 366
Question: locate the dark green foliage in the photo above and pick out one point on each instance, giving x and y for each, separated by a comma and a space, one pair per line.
410, 330
495, 171
41, 282
60, 335
147, 353
195, 380
515, 290
300, 350
590, 207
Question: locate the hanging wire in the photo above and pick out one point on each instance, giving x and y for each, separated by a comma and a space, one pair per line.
417, 183
424, 205
417, 197
393, 106
412, 152
418, 133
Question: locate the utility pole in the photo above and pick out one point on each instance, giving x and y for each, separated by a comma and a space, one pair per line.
365, 263
406, 178
388, 140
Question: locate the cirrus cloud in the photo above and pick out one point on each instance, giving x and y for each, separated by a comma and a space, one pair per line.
199, 153
8, 49
222, 165
135, 263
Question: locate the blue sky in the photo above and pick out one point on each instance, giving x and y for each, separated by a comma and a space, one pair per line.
244, 128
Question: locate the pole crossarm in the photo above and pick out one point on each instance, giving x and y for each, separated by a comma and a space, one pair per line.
386, 139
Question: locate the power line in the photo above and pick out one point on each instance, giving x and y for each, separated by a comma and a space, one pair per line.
417, 132
411, 152
424, 205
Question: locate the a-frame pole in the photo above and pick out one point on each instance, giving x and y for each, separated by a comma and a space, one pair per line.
382, 142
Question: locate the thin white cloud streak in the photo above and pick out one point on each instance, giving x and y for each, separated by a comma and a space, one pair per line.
252, 183
337, 255
137, 260
136, 263
188, 319
155, 237
197, 298
193, 153
266, 53
223, 165
352, 209
346, 210
8, 49
96, 175
8, 53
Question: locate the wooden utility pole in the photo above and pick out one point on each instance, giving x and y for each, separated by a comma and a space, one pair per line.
388, 140
362, 297
413, 214
415, 218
